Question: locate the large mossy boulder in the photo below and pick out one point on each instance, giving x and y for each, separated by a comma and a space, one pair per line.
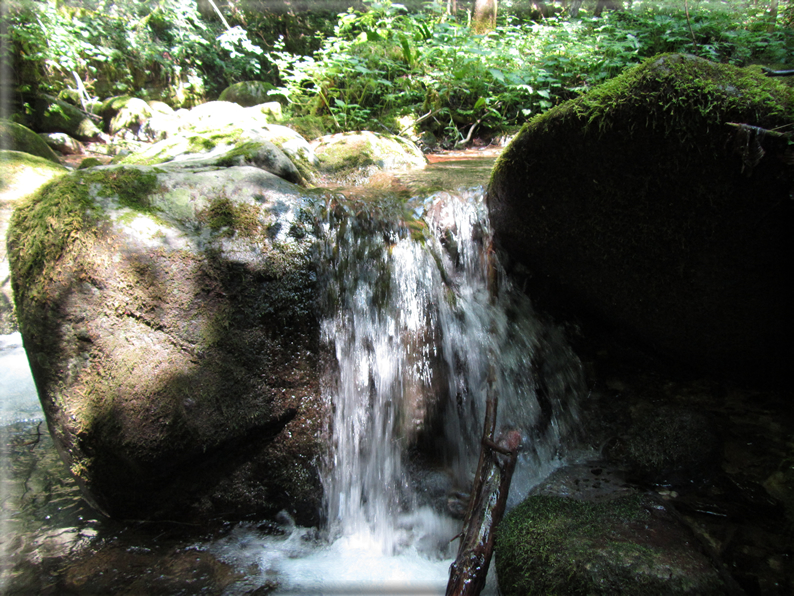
630, 545
652, 206
15, 137
123, 112
169, 318
20, 175
353, 157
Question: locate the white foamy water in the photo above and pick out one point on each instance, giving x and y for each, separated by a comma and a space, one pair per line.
415, 325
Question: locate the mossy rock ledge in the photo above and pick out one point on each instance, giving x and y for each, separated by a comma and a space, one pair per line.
630, 545
639, 206
170, 323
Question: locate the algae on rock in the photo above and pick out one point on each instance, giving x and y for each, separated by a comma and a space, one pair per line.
20, 175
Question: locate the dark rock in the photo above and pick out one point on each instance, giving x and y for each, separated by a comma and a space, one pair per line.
670, 446
640, 208
55, 115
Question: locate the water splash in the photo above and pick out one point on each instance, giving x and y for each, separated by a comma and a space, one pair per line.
415, 326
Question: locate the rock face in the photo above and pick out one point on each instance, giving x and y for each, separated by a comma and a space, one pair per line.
20, 175
169, 319
640, 206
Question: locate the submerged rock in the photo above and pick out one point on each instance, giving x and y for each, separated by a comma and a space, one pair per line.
169, 319
632, 544
356, 156
641, 206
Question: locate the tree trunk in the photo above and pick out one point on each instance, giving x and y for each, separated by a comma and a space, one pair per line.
484, 18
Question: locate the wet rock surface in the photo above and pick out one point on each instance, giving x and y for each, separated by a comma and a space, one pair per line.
631, 544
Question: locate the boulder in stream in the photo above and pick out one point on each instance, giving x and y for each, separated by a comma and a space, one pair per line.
124, 112
214, 148
658, 205
169, 318
632, 544
356, 156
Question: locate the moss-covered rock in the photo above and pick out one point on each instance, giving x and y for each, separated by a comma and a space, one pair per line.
252, 93
169, 319
631, 545
123, 112
54, 115
15, 137
225, 147
641, 206
353, 157
20, 175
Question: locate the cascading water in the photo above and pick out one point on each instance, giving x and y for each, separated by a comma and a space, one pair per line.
416, 328
415, 319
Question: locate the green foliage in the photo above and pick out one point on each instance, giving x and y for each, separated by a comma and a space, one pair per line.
156, 49
375, 63
383, 63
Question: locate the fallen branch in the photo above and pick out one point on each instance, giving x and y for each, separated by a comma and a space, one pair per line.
486, 506
468, 137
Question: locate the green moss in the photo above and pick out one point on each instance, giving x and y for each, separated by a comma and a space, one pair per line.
230, 218
19, 138
131, 186
311, 127
682, 94
89, 162
555, 545
61, 213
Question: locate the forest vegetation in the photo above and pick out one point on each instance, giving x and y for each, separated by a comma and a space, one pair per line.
369, 64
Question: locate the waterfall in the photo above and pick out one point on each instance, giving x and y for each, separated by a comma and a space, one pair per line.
415, 325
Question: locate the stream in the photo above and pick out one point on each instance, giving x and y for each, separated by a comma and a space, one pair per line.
414, 327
